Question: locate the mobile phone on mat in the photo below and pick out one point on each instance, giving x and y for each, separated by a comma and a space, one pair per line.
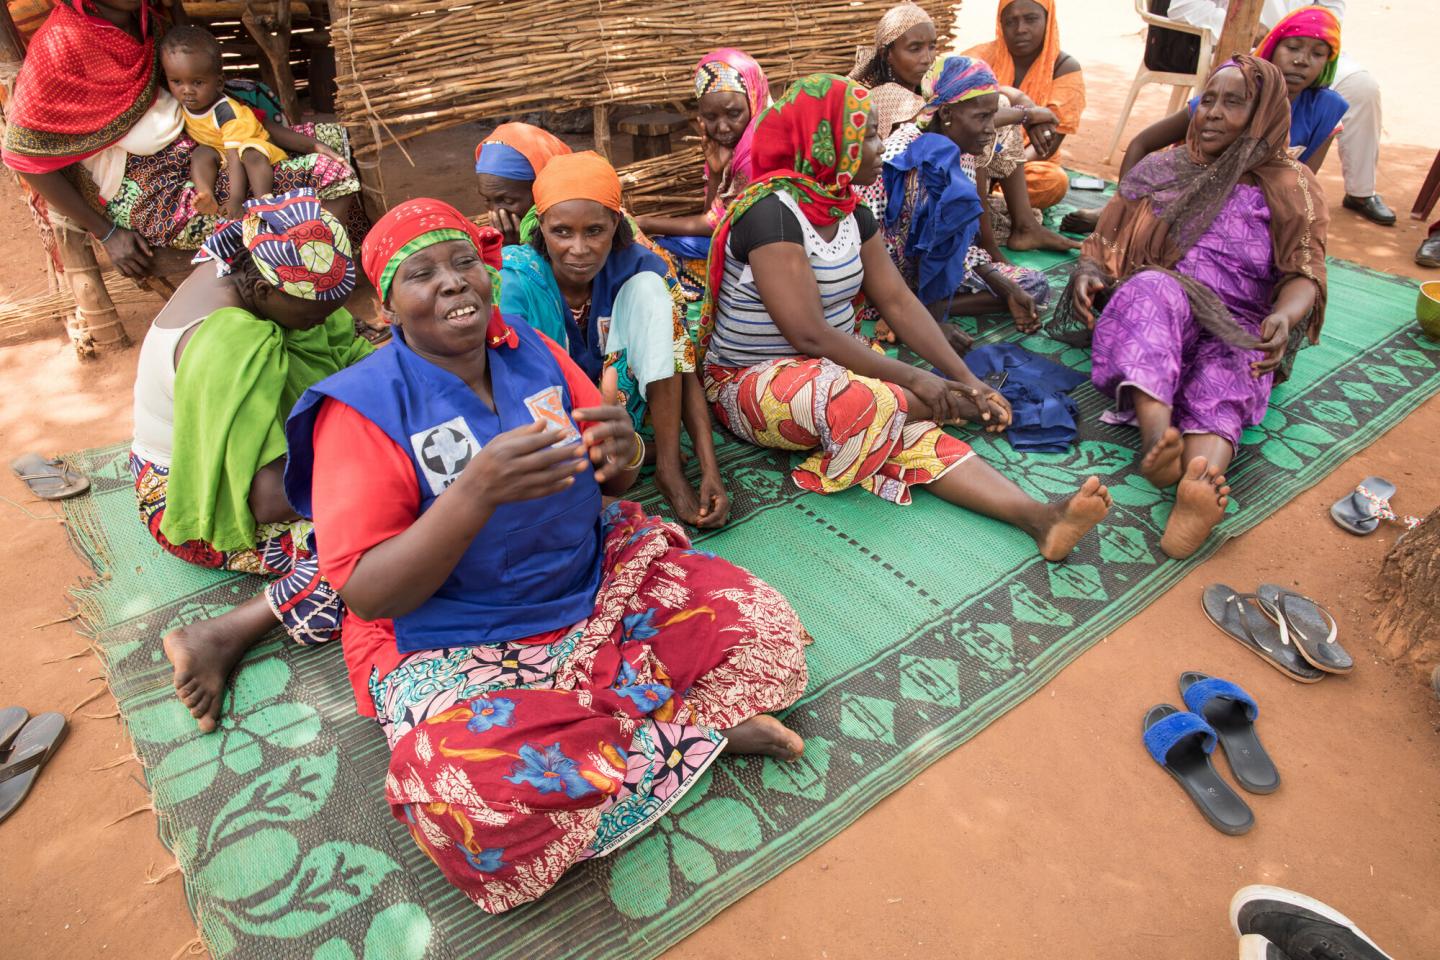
1087, 183
996, 380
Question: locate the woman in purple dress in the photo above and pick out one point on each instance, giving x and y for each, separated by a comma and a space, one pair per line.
1210, 265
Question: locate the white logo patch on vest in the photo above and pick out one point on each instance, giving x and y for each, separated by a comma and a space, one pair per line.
548, 407
442, 452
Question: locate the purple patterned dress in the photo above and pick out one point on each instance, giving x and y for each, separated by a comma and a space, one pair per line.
1146, 338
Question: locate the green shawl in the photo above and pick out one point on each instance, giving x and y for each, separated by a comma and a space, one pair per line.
238, 378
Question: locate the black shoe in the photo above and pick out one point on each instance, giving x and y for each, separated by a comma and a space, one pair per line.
1255, 947
1429, 253
1302, 927
1371, 208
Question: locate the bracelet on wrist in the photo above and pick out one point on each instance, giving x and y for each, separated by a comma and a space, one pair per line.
106, 239
639, 457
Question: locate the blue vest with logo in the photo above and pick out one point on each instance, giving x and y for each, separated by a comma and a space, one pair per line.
535, 566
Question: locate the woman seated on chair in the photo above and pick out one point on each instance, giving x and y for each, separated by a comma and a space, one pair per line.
930, 211
1026, 54
93, 132
506, 165
217, 375
551, 674
1305, 45
1210, 265
785, 366
730, 92
585, 282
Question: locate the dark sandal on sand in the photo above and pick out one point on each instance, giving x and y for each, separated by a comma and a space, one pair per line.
11, 720
1232, 712
1263, 632
1182, 743
1310, 626
49, 479
33, 748
1361, 512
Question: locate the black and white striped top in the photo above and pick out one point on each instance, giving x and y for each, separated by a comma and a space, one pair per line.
744, 333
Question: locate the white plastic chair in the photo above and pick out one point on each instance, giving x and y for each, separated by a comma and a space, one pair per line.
1182, 82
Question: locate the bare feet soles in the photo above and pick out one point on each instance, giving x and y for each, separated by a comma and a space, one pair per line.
203, 655
1039, 238
1073, 518
766, 736
1200, 502
1161, 463
883, 333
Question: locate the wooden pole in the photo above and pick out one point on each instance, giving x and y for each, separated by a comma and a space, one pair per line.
1242, 22
272, 33
364, 130
95, 323
602, 130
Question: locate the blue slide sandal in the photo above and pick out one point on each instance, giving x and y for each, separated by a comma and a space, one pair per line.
1232, 712
1181, 743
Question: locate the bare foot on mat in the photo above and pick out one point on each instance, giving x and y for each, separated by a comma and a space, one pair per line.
766, 736
1037, 237
204, 654
1200, 502
1073, 518
1161, 463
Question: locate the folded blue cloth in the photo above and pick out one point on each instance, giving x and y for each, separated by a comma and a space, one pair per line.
691, 248
1045, 416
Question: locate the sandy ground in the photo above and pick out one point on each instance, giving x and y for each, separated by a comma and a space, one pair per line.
1051, 834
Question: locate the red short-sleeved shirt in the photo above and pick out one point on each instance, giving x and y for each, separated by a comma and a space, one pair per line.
351, 517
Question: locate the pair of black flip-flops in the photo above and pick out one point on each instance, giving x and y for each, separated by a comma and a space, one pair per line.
1288, 630
26, 744
1181, 742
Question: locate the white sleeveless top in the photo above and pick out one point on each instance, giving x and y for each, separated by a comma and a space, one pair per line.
155, 393
744, 333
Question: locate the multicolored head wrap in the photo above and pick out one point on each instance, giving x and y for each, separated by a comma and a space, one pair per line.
807, 145
897, 21
717, 76
953, 80
416, 224
296, 244
577, 176
1313, 22
517, 151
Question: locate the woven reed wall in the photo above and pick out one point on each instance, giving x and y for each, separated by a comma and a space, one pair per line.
409, 67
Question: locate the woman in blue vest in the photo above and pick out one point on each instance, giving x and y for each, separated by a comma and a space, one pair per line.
551, 673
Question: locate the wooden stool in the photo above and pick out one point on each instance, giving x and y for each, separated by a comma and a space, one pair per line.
652, 132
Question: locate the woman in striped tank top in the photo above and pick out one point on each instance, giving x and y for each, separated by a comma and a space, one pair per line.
785, 366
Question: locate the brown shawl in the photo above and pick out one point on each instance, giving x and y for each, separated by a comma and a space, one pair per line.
1190, 191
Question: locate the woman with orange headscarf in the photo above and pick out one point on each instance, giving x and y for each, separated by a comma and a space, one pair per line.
506, 165
587, 281
1044, 82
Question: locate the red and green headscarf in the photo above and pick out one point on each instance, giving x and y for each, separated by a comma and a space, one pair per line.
807, 145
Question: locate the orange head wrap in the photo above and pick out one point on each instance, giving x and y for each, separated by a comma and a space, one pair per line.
577, 176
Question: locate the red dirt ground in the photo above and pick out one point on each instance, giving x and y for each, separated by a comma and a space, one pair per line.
1051, 834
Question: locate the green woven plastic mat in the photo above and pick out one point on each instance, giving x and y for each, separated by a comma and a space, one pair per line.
929, 623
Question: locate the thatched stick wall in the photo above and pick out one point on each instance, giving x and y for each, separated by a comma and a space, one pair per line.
409, 67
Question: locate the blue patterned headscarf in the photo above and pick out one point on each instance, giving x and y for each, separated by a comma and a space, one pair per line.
951, 80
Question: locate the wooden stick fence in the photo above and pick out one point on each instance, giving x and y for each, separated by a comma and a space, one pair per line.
410, 67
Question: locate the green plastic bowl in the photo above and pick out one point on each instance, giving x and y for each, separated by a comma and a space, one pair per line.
1427, 308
